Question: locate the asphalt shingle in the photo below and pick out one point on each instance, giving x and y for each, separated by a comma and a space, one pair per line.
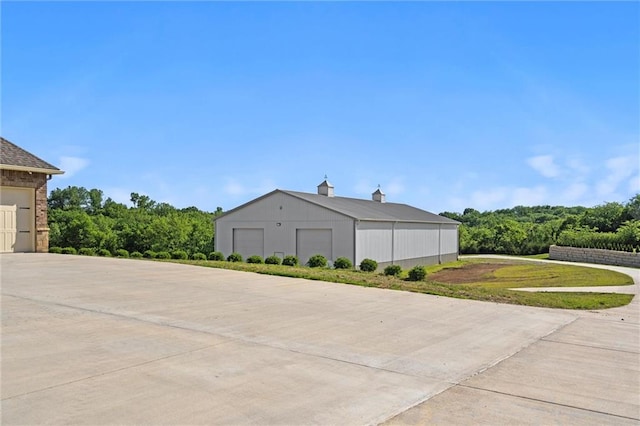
12, 155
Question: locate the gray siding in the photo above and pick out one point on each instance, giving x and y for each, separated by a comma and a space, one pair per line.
406, 244
291, 214
374, 241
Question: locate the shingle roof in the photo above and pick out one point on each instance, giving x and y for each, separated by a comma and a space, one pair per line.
14, 157
372, 210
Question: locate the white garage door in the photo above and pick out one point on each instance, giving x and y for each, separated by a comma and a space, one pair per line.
313, 241
248, 241
16, 220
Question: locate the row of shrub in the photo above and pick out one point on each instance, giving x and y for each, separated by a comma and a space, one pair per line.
605, 246
417, 273
149, 254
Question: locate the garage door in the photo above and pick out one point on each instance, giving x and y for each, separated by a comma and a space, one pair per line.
248, 241
16, 220
313, 241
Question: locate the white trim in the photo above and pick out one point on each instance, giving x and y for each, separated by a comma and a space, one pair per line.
31, 169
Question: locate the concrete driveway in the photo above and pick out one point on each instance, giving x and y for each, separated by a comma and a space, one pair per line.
89, 340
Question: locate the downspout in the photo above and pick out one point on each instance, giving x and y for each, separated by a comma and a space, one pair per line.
439, 243
393, 242
355, 239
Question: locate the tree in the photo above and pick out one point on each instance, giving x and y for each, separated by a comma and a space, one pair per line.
604, 218
632, 209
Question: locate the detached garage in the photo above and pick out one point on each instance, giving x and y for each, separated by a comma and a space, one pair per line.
289, 222
23, 200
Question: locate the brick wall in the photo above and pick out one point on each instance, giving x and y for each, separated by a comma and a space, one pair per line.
38, 181
602, 257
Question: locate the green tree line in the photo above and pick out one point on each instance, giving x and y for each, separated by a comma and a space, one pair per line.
531, 230
82, 218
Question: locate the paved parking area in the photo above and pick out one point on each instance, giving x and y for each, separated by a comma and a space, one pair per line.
89, 340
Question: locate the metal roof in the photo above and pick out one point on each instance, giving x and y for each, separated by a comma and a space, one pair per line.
359, 209
12, 157
372, 210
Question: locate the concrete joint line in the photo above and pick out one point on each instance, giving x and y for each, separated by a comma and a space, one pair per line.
117, 370
230, 337
506, 357
480, 371
590, 346
548, 402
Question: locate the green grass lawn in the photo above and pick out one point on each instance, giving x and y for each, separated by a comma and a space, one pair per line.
492, 285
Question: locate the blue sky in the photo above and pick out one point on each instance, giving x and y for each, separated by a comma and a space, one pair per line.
445, 105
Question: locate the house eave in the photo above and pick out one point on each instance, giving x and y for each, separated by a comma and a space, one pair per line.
31, 169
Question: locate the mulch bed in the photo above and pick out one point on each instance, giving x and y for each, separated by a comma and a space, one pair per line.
467, 274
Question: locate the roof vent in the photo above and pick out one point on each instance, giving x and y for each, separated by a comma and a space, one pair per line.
325, 188
378, 196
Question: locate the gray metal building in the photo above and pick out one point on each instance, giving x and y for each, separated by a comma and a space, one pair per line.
289, 222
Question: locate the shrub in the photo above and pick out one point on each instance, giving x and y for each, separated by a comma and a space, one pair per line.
56, 250
87, 251
317, 261
149, 254
393, 270
122, 253
417, 273
216, 255
234, 257
104, 253
255, 259
290, 260
368, 265
272, 260
179, 254
163, 255
136, 255
342, 263
68, 250
199, 256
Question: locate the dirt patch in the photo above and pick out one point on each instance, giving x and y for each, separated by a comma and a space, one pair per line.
467, 274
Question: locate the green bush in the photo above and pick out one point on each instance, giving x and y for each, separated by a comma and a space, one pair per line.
234, 257
216, 255
290, 260
255, 259
368, 265
104, 253
55, 250
179, 254
163, 255
417, 273
342, 263
122, 253
68, 250
199, 256
272, 260
149, 254
87, 251
136, 255
393, 270
317, 261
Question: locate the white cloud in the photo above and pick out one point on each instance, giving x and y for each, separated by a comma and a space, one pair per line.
119, 195
488, 199
394, 187
234, 187
529, 196
620, 169
634, 184
71, 166
574, 192
545, 165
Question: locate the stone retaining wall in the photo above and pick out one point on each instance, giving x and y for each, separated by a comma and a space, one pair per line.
602, 257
